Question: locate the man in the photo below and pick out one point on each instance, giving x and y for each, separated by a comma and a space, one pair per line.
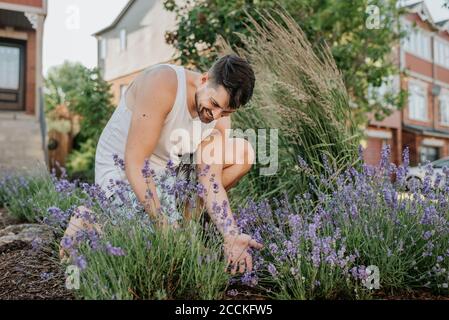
168, 102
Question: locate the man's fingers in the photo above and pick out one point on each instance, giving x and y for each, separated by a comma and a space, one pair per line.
249, 263
253, 243
228, 262
242, 266
234, 267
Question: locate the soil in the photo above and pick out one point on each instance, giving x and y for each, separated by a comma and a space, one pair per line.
28, 273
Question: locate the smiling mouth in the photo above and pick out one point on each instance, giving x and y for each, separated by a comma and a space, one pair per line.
209, 114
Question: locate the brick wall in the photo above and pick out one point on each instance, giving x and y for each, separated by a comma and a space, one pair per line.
30, 81
32, 3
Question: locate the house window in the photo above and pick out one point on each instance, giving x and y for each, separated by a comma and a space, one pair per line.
10, 67
417, 42
123, 88
442, 53
103, 48
417, 102
122, 40
444, 109
429, 154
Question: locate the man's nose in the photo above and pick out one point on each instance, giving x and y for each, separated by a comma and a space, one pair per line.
216, 114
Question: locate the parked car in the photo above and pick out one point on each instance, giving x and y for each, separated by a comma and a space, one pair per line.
418, 173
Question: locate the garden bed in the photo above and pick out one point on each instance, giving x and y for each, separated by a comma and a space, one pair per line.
30, 273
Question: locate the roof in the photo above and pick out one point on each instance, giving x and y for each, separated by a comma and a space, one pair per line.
423, 11
117, 19
426, 131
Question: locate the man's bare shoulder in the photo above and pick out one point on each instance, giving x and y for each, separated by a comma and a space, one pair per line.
157, 83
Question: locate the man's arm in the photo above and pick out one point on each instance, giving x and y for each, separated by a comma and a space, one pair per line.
153, 100
235, 243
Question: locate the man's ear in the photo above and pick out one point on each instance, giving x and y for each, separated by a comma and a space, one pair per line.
204, 77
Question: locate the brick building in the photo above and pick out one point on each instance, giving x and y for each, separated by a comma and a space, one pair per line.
423, 123
22, 129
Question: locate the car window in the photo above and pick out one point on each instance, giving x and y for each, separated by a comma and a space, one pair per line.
441, 163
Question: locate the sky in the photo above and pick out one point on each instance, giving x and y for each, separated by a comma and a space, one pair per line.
70, 24
69, 27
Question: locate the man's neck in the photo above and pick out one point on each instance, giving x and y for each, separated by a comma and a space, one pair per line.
193, 81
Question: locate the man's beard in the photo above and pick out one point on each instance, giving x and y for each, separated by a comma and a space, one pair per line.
202, 112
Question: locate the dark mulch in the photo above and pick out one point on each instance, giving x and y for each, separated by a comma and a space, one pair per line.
418, 294
241, 292
27, 274
6, 219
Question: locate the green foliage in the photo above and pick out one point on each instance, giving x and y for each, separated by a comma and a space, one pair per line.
62, 83
28, 197
87, 94
93, 103
81, 163
157, 265
363, 54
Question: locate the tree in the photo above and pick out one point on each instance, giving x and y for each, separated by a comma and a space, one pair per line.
62, 83
360, 34
88, 95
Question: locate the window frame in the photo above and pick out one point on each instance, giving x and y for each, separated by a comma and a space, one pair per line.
411, 90
417, 34
123, 36
444, 98
103, 48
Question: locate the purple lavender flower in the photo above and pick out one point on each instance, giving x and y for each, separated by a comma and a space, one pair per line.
80, 262
272, 270
67, 242
114, 251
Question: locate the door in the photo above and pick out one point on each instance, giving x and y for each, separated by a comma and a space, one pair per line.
12, 71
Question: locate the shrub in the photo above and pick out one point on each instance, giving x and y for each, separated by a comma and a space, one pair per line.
177, 264
321, 248
28, 196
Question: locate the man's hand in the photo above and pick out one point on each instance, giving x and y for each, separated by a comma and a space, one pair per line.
236, 252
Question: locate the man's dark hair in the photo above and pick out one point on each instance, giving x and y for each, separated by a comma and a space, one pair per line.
237, 76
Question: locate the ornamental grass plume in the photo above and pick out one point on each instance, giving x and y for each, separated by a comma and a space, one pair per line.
300, 92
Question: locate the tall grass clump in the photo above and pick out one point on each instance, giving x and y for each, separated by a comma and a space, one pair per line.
301, 93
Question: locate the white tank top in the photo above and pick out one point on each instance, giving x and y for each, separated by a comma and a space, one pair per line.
180, 135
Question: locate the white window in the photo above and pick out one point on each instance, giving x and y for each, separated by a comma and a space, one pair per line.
442, 52
123, 88
103, 48
417, 42
122, 40
444, 109
417, 102
9, 67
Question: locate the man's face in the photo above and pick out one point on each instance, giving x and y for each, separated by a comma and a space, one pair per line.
212, 102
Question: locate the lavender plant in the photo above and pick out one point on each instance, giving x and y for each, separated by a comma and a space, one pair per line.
28, 196
321, 248
124, 256
154, 265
